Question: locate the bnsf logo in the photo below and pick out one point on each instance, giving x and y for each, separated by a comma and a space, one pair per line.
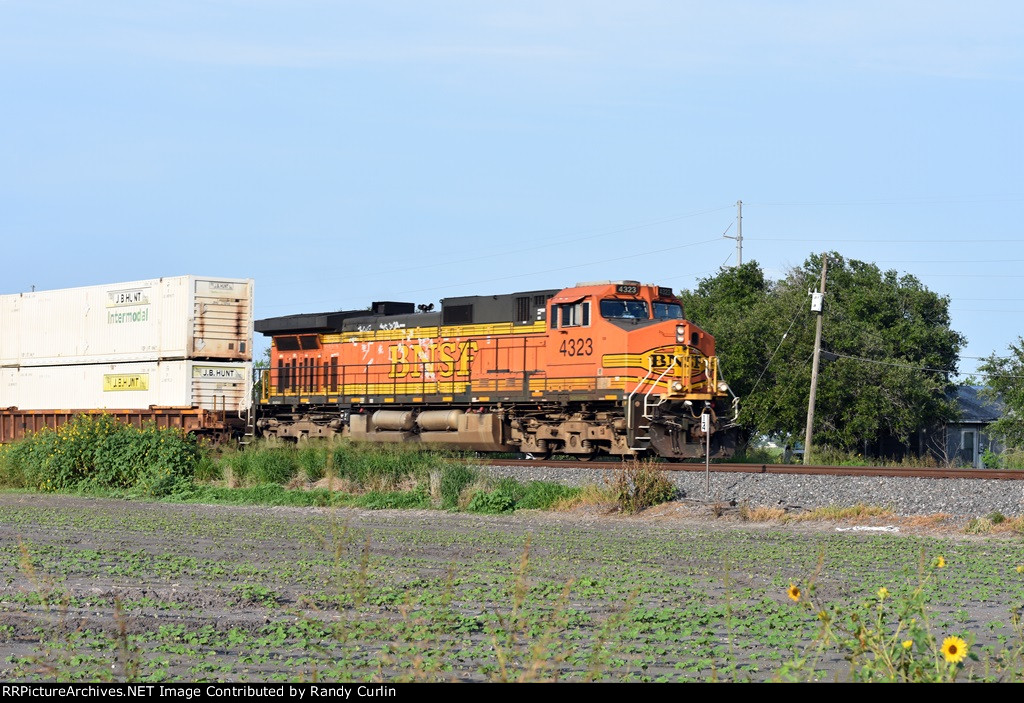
663, 361
444, 360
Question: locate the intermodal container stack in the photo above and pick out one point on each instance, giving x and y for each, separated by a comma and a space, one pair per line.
175, 350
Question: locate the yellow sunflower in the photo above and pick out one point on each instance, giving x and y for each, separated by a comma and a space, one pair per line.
940, 562
883, 593
907, 644
954, 649
793, 592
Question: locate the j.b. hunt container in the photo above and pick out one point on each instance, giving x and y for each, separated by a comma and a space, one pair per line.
201, 385
183, 317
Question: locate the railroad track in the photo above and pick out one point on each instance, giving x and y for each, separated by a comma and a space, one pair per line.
987, 474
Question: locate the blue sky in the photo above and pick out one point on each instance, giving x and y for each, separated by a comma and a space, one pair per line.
344, 152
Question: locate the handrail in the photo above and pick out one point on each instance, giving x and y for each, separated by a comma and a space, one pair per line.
629, 408
654, 385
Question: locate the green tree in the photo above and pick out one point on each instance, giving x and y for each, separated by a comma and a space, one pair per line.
738, 308
882, 331
1006, 381
260, 367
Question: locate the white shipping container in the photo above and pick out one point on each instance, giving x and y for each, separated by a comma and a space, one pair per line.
8, 387
131, 386
9, 330
184, 317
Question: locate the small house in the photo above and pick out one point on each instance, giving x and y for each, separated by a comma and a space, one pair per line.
967, 437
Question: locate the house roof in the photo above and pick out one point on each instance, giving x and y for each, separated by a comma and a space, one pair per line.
974, 407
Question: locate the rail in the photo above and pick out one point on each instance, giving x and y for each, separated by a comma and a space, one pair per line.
612, 464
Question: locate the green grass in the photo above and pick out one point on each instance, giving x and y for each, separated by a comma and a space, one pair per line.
536, 495
102, 458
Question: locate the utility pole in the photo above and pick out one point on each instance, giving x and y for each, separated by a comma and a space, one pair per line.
817, 303
739, 233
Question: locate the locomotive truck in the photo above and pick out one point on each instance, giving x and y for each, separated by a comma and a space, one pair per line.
608, 367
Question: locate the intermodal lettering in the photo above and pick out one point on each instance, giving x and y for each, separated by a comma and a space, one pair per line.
120, 318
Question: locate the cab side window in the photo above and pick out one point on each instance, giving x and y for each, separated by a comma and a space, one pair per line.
571, 315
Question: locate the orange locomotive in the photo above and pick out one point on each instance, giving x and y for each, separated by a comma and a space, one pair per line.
600, 368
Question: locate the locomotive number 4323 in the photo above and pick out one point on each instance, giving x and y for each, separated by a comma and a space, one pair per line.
577, 347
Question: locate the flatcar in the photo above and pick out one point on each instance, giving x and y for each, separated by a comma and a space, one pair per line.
609, 367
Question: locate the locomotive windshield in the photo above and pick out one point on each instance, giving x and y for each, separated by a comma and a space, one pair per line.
668, 311
624, 309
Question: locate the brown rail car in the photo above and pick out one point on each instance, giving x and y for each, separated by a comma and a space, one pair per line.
216, 425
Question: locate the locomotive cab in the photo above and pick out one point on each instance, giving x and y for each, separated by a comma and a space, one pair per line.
608, 327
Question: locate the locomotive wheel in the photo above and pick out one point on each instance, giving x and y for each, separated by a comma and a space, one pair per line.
586, 457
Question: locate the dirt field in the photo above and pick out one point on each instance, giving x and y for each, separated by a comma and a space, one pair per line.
98, 590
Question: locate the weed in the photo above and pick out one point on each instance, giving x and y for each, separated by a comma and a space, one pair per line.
381, 500
855, 513
523, 648
860, 511
761, 513
640, 485
536, 495
99, 451
255, 593
496, 501
927, 520
888, 637
454, 479
264, 464
312, 460
978, 526
590, 495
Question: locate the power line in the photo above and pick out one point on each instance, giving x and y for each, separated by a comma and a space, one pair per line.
890, 241
560, 268
928, 200
980, 310
535, 245
946, 261
784, 335
926, 368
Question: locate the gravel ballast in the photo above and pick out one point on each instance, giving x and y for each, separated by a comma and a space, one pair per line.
904, 496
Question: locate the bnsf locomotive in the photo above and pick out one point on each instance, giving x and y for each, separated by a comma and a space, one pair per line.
600, 368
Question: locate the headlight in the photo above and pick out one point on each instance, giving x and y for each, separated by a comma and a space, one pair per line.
723, 387
680, 334
677, 386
